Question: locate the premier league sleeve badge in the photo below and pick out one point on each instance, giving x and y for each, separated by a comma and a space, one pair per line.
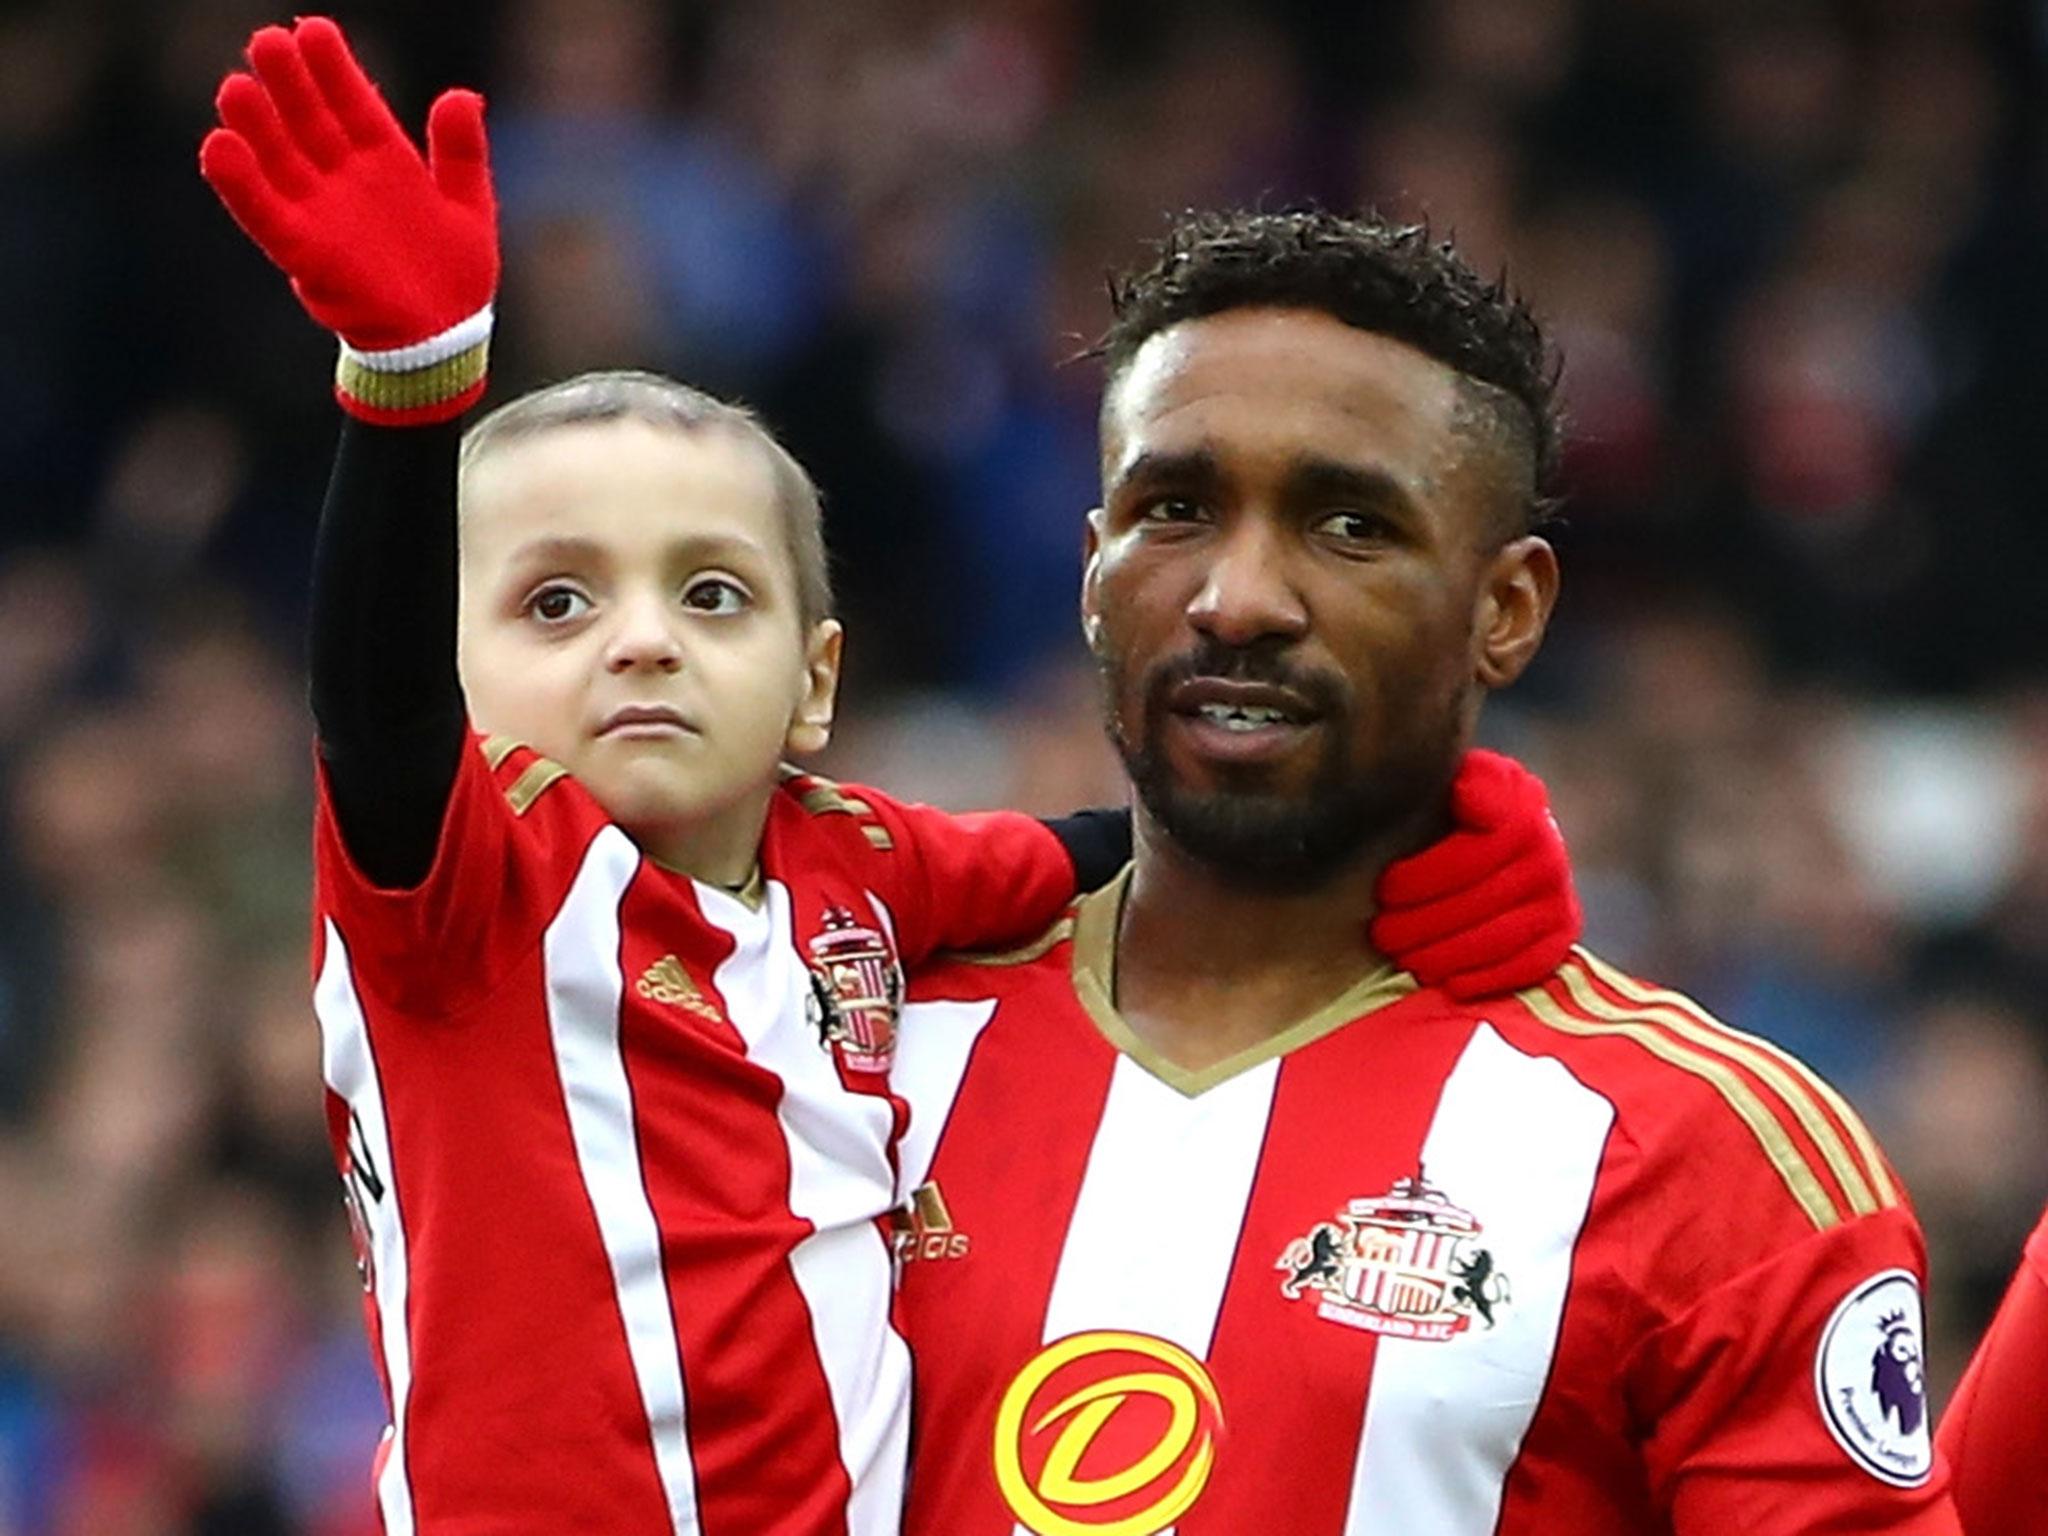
1872, 1382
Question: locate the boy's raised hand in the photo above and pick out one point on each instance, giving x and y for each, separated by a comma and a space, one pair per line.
395, 253
1489, 908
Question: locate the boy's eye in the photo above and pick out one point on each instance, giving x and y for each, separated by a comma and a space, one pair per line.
557, 604
715, 594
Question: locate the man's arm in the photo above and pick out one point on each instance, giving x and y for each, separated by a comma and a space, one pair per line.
1995, 1433
396, 254
1789, 1397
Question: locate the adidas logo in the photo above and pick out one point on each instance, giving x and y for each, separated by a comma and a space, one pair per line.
923, 1229
666, 981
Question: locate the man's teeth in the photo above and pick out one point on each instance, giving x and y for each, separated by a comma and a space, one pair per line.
1241, 717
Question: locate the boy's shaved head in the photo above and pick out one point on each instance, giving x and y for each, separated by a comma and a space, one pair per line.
630, 394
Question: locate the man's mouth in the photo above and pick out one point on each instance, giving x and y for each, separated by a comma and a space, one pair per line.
1234, 717
1239, 706
1241, 721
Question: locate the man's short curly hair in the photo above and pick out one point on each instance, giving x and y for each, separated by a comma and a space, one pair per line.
1391, 279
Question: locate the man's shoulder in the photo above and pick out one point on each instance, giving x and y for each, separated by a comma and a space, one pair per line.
1695, 1096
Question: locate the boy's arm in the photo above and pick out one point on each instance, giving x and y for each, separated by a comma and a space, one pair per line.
381, 646
1098, 842
1489, 908
398, 256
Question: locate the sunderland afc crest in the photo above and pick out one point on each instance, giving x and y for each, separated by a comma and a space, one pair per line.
1407, 1263
856, 991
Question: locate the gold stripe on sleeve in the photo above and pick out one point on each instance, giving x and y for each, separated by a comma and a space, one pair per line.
1777, 1144
1743, 1045
497, 748
1781, 1082
533, 783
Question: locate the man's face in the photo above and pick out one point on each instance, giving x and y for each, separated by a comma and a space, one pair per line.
629, 608
1298, 588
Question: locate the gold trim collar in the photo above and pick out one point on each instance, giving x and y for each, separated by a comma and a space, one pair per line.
1097, 918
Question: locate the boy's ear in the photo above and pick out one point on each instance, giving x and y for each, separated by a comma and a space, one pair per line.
810, 727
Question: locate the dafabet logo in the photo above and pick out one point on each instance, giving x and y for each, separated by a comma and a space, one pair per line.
1107, 1434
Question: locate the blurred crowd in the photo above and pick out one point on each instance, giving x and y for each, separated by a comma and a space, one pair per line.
1793, 712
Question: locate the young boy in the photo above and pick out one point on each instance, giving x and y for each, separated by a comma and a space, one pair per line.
608, 1015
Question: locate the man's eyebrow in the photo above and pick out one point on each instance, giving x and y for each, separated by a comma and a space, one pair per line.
1326, 480
1196, 467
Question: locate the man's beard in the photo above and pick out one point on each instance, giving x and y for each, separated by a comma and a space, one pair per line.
1287, 842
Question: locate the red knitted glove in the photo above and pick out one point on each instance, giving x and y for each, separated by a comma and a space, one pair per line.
396, 255
1490, 908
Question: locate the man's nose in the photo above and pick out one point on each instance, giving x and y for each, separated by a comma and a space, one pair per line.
645, 635
1248, 591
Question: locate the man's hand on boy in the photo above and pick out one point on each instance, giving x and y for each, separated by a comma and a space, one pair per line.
396, 253
1489, 908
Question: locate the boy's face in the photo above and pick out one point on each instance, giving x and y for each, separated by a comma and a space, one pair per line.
629, 609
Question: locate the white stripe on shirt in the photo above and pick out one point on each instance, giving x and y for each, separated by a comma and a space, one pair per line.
840, 1180
1516, 1140
350, 1067
580, 952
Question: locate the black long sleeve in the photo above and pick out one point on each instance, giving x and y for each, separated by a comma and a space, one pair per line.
1099, 843
381, 650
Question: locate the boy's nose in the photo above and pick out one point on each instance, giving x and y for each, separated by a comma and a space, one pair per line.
644, 637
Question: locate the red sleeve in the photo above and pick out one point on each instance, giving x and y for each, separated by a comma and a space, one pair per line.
1995, 1433
987, 880
512, 839
1788, 1397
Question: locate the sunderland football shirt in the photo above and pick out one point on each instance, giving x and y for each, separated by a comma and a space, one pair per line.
1581, 1260
1995, 1433
617, 1144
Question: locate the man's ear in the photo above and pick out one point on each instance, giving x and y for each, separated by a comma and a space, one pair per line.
1091, 569
811, 726
1515, 599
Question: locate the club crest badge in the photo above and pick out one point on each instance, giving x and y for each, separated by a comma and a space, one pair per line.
1408, 1264
1871, 1381
856, 992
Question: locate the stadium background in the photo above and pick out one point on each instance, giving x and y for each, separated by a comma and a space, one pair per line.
1792, 712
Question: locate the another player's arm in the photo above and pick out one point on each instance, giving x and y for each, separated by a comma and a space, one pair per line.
397, 254
1994, 1435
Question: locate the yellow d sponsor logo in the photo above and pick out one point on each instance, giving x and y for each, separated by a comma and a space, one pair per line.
1107, 1434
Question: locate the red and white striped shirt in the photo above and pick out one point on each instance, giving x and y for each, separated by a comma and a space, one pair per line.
617, 1198
1581, 1260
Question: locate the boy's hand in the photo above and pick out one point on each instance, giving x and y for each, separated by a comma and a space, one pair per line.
396, 254
1489, 908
